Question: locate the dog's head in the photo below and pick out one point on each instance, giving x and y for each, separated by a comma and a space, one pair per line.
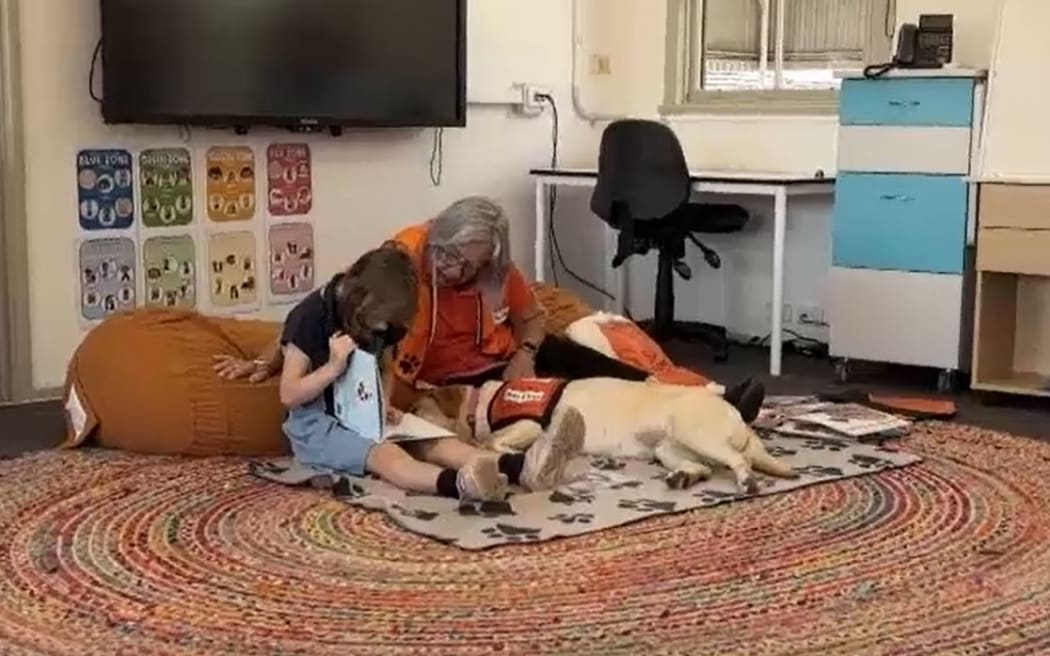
451, 407
377, 298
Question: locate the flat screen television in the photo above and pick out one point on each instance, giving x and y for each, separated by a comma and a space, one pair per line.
298, 64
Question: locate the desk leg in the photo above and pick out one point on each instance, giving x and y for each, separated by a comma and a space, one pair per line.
776, 329
542, 230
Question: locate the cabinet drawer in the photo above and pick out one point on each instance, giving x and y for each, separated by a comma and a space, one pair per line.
936, 101
904, 149
1014, 250
1015, 206
894, 316
900, 222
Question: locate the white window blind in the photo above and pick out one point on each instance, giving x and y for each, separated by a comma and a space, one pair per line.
820, 37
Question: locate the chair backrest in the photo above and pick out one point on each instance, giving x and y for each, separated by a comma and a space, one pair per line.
641, 171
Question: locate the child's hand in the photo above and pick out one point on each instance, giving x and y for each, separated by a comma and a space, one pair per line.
340, 347
393, 415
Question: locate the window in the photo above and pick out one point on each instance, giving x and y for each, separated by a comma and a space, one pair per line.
770, 55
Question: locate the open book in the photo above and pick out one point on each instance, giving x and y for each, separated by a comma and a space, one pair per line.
359, 405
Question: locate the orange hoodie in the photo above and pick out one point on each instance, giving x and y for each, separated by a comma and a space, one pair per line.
497, 337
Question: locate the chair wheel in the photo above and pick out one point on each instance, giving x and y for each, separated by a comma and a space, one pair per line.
683, 270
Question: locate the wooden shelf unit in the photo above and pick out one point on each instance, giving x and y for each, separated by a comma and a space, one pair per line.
1011, 351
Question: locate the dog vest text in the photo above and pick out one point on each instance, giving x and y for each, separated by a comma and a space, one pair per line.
529, 398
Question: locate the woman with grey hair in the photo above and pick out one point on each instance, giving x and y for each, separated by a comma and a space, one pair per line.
477, 318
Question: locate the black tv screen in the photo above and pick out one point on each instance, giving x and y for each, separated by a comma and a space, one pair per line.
288, 63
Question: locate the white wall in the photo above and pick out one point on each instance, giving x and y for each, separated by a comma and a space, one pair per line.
738, 294
367, 184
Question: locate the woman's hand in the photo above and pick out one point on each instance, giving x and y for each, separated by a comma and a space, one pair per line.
229, 367
522, 365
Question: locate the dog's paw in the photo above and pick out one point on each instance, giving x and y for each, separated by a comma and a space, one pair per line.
750, 485
683, 480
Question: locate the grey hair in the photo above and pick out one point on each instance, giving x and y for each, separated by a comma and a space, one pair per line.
471, 220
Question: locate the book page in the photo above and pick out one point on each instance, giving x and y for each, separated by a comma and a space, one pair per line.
412, 427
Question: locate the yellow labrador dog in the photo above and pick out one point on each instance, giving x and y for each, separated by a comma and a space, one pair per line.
683, 428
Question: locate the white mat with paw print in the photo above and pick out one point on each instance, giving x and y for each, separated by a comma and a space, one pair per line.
607, 494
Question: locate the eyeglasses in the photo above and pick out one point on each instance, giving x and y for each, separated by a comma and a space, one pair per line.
449, 257
452, 262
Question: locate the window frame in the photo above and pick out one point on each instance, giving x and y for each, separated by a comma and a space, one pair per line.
682, 96
16, 365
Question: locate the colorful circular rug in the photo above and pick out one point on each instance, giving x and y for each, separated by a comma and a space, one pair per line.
112, 554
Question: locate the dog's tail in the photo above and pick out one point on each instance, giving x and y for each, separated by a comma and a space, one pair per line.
760, 459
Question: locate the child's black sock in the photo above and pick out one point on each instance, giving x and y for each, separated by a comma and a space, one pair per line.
446, 484
510, 465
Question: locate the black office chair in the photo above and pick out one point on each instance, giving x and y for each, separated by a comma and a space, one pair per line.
643, 191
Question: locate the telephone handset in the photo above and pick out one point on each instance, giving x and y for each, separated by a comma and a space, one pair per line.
926, 45
907, 44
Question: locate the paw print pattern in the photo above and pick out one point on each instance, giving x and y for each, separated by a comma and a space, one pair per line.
824, 444
607, 464
780, 452
765, 483
322, 482
510, 533
571, 497
263, 467
488, 509
409, 364
819, 471
572, 518
869, 462
345, 488
715, 496
647, 505
625, 485
421, 515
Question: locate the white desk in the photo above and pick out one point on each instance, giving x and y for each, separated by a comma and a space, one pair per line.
778, 186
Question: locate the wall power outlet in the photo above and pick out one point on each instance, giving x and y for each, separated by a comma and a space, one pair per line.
532, 99
810, 316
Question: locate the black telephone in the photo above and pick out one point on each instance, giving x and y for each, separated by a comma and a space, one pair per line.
926, 45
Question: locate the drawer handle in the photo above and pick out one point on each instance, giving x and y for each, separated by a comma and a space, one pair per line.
901, 197
905, 103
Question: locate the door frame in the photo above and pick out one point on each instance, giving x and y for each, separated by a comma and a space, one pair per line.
16, 360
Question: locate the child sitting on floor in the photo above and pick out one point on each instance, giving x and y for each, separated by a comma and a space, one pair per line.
373, 302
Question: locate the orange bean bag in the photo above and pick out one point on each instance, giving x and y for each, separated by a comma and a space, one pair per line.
143, 382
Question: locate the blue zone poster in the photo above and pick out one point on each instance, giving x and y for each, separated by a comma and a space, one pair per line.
105, 193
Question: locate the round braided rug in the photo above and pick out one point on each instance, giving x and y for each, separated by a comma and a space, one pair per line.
112, 554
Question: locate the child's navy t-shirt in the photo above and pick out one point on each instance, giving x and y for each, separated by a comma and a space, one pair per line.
309, 326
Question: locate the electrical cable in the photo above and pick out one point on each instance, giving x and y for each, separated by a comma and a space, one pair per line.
804, 345
554, 247
91, 73
437, 157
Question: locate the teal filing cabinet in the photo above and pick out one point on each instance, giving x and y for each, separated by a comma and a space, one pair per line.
903, 217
